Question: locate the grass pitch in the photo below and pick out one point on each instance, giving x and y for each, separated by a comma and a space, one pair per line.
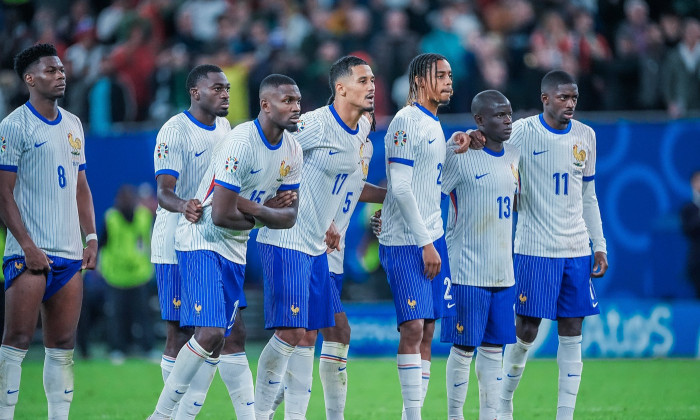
611, 389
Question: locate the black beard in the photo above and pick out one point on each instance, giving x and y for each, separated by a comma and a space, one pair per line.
222, 113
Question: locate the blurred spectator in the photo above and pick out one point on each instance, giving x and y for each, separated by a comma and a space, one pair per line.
204, 14
109, 100
393, 49
671, 28
82, 63
690, 220
593, 53
681, 84
634, 28
169, 79
359, 30
125, 264
109, 21
134, 61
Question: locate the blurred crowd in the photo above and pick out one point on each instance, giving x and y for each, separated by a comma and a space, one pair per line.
127, 60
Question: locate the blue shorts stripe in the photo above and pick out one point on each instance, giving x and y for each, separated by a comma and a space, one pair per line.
297, 292
62, 270
169, 291
554, 287
484, 315
415, 296
336, 287
212, 289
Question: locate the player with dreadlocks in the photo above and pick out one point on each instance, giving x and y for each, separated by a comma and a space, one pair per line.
412, 246
300, 297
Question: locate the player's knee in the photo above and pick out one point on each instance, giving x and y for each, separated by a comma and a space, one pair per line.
570, 327
292, 336
210, 338
412, 331
18, 339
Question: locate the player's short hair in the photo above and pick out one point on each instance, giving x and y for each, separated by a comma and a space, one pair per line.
274, 81
341, 68
200, 72
420, 66
555, 78
31, 55
484, 99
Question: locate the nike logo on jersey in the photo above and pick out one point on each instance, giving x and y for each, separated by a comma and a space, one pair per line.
460, 384
482, 175
12, 392
40, 144
250, 403
512, 376
571, 375
331, 152
595, 304
196, 404
255, 172
271, 382
499, 379
178, 392
340, 369
431, 141
535, 152
67, 391
200, 153
450, 305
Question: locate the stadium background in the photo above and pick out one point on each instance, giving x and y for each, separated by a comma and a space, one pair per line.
127, 61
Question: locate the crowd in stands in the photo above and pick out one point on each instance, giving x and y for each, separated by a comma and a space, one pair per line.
127, 60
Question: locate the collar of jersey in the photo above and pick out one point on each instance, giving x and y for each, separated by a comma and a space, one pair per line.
199, 124
492, 153
41, 117
264, 139
552, 129
425, 110
342, 123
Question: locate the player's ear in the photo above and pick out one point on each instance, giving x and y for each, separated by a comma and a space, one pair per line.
264, 105
340, 89
29, 79
479, 120
544, 97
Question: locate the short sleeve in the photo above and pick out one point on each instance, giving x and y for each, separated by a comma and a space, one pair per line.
293, 179
167, 156
450, 173
401, 140
12, 139
589, 170
231, 162
83, 161
309, 131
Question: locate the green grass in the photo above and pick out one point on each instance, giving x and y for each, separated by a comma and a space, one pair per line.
611, 389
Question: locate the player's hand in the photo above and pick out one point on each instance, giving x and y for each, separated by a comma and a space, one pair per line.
332, 238
376, 222
432, 261
89, 256
193, 210
471, 139
600, 264
36, 260
281, 200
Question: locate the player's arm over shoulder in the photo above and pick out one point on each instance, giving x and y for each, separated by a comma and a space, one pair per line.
310, 129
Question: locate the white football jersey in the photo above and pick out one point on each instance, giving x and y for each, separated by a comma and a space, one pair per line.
354, 185
47, 156
331, 156
414, 138
481, 185
244, 162
554, 164
183, 149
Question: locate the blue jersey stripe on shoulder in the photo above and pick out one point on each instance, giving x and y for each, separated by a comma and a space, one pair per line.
8, 168
82, 167
288, 187
588, 178
228, 186
167, 172
407, 162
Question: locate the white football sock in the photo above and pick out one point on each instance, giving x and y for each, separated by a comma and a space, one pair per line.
334, 378
410, 378
271, 368
191, 404
425, 376
166, 366
570, 368
489, 371
297, 382
514, 359
58, 381
10, 374
189, 359
235, 372
458, 365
